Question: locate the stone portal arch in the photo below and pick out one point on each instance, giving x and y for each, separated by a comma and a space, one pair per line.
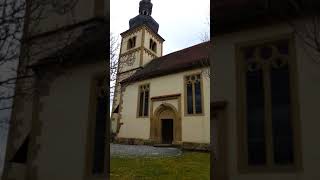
165, 110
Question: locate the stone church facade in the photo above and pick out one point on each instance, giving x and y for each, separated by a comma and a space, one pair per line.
160, 99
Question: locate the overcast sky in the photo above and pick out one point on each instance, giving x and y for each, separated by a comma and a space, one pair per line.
181, 22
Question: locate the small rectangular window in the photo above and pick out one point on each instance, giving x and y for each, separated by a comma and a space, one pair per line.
146, 103
281, 124
143, 104
134, 41
197, 93
189, 98
150, 44
255, 118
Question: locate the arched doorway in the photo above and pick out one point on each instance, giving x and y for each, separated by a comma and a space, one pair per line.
167, 117
166, 125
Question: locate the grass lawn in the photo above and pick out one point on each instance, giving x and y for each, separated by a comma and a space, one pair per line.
190, 165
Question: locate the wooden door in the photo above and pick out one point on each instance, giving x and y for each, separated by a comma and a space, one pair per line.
167, 131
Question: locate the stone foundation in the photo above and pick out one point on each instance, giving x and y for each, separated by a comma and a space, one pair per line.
133, 141
183, 145
195, 146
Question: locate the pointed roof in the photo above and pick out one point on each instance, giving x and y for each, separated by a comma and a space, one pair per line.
144, 17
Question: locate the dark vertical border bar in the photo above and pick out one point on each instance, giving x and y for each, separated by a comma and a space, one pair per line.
108, 132
211, 88
107, 5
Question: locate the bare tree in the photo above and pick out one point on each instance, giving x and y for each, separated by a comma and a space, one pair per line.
114, 51
307, 28
18, 20
11, 27
308, 31
117, 64
205, 37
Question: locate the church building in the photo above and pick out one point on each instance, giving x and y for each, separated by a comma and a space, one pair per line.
160, 99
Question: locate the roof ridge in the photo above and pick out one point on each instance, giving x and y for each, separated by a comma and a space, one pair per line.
187, 58
190, 47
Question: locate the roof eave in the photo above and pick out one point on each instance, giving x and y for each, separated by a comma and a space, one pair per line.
141, 26
164, 73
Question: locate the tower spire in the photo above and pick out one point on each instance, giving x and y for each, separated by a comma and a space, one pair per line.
145, 7
144, 17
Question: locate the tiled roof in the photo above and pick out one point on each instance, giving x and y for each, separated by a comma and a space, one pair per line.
190, 58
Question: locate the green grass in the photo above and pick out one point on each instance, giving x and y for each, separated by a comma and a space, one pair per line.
190, 165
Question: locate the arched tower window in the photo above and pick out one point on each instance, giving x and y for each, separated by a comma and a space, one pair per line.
153, 45
131, 43
144, 12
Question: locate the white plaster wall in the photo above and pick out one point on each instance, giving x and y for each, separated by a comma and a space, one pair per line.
133, 127
194, 128
146, 58
309, 75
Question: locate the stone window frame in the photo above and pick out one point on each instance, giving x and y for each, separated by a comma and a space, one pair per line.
270, 166
131, 42
193, 93
147, 86
153, 45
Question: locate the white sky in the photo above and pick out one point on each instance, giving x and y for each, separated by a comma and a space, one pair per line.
181, 22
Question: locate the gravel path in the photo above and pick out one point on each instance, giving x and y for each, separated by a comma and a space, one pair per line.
142, 150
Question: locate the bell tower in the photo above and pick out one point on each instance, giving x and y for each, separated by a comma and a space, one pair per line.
140, 44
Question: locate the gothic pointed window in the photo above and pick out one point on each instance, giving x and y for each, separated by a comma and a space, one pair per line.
143, 102
193, 95
153, 45
268, 115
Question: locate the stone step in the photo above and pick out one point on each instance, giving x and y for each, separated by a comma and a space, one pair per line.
163, 145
